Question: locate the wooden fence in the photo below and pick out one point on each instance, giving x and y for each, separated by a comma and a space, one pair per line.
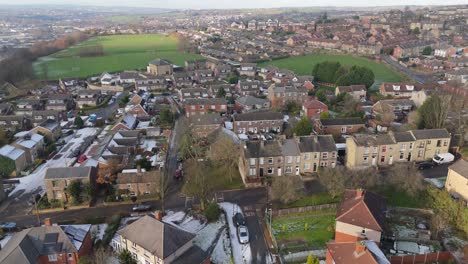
303, 209
443, 256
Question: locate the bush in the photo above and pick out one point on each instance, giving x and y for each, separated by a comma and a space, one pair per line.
212, 212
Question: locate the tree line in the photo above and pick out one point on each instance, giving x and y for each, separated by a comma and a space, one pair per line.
339, 75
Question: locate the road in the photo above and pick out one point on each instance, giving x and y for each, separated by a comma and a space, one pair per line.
420, 78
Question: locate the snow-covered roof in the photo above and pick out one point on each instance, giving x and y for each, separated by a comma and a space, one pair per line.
11, 152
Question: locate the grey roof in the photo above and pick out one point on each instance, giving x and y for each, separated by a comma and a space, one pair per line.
373, 140
27, 245
260, 115
206, 101
322, 143
404, 136
208, 119
256, 149
159, 62
460, 167
251, 100
342, 121
430, 133
11, 152
158, 238
50, 124
290, 148
68, 172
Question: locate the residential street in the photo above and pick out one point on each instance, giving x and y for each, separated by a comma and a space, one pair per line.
420, 78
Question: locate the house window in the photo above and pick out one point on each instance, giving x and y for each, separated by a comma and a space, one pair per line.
445, 143
298, 159
252, 162
54, 184
288, 169
270, 160
307, 156
366, 159
343, 130
323, 164
439, 143
402, 155
420, 153
382, 159
428, 142
375, 150
252, 172
134, 244
289, 159
333, 155
261, 161
315, 155
403, 146
366, 150
384, 149
192, 107
307, 166
421, 145
270, 170
70, 255
52, 257
325, 155
410, 145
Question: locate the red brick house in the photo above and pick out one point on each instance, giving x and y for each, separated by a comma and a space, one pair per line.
202, 106
48, 244
363, 252
313, 108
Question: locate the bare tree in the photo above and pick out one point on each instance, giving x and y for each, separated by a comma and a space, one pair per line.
406, 177
225, 152
333, 180
286, 189
434, 110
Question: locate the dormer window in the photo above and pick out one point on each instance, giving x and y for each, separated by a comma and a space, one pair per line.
410, 87
396, 87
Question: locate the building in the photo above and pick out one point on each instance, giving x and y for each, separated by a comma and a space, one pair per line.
280, 95
138, 183
401, 90
258, 122
339, 126
160, 67
360, 216
248, 69
32, 144
58, 102
88, 98
203, 125
50, 129
250, 103
458, 76
385, 149
316, 152
17, 156
357, 92
260, 159
152, 241
362, 252
249, 87
201, 106
48, 244
312, 108
57, 179
457, 179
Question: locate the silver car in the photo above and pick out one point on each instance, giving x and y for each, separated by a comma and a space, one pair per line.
243, 234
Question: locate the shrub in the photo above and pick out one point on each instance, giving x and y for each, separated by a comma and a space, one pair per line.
212, 212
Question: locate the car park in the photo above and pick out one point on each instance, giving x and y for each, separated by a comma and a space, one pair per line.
243, 234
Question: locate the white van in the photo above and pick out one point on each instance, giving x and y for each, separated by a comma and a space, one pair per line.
443, 158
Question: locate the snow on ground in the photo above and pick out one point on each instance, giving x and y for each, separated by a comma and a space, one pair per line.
98, 231
35, 180
172, 217
187, 223
207, 235
5, 240
242, 253
222, 251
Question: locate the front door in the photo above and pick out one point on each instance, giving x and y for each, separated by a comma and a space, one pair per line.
279, 171
409, 156
261, 172
297, 170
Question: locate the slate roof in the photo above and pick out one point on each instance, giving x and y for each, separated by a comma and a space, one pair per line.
256, 149
373, 140
68, 172
27, 245
322, 143
290, 148
250, 100
366, 211
259, 115
406, 136
430, 133
156, 237
159, 62
208, 119
342, 121
460, 167
11, 152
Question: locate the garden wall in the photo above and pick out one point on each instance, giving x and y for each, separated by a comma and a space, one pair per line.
303, 209
443, 256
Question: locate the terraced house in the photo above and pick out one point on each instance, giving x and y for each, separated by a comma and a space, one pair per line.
386, 149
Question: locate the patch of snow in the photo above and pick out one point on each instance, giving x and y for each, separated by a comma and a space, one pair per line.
207, 235
302, 256
222, 251
98, 231
232, 135
173, 216
241, 252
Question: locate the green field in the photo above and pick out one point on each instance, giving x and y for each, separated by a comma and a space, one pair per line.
303, 65
121, 52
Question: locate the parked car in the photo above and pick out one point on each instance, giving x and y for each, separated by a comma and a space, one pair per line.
238, 219
82, 158
425, 165
443, 158
179, 174
243, 234
141, 207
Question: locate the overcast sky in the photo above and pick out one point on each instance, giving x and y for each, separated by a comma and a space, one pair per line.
218, 4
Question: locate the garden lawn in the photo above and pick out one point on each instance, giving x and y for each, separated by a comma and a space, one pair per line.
314, 199
290, 230
121, 52
303, 65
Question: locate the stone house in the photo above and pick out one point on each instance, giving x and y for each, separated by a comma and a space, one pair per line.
138, 183
258, 122
57, 179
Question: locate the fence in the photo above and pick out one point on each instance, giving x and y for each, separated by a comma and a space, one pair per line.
303, 209
443, 256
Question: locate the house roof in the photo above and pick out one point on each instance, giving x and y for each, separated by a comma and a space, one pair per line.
160, 62
366, 210
11, 152
256, 149
373, 140
402, 87
68, 172
345, 252
163, 240
460, 167
259, 115
208, 119
206, 101
27, 245
314, 104
430, 133
139, 177
406, 136
342, 121
250, 100
290, 148
352, 88
322, 143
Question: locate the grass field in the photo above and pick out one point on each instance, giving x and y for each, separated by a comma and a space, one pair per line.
121, 52
290, 230
303, 65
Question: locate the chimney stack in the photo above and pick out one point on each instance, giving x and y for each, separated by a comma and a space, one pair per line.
359, 192
360, 247
47, 222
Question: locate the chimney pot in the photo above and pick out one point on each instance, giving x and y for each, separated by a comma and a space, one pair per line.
47, 222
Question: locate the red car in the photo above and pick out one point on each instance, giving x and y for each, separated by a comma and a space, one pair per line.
82, 158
